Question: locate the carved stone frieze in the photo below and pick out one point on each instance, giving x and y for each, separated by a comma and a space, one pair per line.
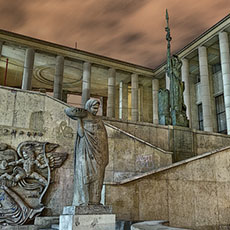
25, 175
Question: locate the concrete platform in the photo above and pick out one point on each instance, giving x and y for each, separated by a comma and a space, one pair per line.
86, 222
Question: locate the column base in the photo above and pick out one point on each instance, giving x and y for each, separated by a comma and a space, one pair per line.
98, 217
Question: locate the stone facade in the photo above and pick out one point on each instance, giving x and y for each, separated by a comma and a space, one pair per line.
135, 148
183, 142
191, 194
31, 116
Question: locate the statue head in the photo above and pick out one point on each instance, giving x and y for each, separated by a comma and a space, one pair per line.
92, 105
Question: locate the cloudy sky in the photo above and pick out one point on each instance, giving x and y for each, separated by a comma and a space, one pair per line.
128, 30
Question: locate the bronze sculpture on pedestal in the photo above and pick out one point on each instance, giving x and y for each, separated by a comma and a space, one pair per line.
175, 112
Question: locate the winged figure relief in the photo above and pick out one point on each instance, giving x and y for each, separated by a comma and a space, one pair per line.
25, 175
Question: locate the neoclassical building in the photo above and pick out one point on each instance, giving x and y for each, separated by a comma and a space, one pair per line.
206, 74
126, 91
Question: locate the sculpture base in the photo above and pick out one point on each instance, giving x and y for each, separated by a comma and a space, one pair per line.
89, 209
98, 217
179, 119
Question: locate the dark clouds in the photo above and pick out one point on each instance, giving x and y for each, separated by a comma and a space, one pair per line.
132, 38
11, 18
129, 30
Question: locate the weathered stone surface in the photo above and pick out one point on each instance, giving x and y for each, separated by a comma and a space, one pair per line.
25, 176
191, 194
181, 197
86, 222
124, 200
222, 171
206, 212
223, 194
85, 210
153, 225
156, 191
46, 221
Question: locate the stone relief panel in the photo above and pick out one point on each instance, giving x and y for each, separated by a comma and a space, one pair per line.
25, 175
63, 130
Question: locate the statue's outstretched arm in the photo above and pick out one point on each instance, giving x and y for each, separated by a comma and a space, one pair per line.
75, 113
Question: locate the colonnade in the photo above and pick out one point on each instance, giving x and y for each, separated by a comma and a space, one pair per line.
122, 93
225, 67
113, 94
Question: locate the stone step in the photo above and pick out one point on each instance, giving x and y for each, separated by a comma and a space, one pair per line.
154, 225
124, 224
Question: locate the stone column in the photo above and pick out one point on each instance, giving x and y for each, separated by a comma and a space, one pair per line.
205, 89
225, 68
1, 44
134, 97
65, 96
58, 78
86, 83
155, 89
167, 82
28, 69
185, 78
123, 101
111, 93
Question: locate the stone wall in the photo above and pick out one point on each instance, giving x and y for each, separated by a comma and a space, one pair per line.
131, 156
30, 116
35, 116
184, 142
194, 193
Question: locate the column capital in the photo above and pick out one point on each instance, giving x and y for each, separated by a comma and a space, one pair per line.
202, 48
222, 33
60, 57
112, 71
184, 60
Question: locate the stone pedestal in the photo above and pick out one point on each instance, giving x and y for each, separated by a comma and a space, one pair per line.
98, 217
179, 119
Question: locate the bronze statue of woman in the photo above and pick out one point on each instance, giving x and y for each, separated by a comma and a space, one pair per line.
91, 154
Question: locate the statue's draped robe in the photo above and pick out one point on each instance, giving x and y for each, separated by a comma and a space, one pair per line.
91, 156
